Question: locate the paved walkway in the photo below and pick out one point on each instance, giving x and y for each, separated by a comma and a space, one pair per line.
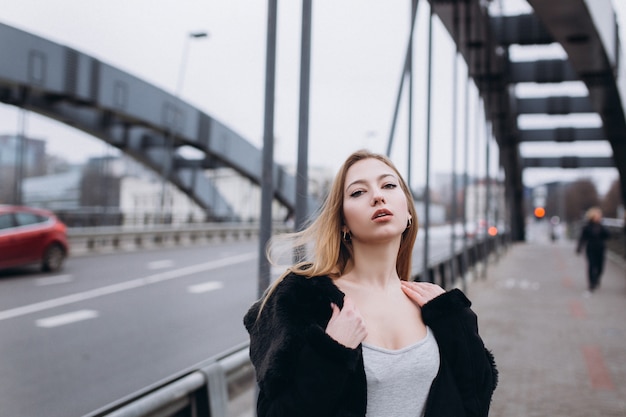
559, 352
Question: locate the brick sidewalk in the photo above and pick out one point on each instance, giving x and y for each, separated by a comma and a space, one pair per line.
559, 353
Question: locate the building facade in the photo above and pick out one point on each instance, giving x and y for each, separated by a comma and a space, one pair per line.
19, 160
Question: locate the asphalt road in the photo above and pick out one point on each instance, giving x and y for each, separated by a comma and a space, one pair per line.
110, 325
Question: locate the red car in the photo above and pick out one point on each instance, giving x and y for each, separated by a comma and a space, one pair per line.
31, 236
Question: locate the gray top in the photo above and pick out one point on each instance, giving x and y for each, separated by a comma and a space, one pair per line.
398, 381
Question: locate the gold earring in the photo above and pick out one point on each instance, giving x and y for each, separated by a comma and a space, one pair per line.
409, 222
346, 236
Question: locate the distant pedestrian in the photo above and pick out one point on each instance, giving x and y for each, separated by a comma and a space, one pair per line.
592, 237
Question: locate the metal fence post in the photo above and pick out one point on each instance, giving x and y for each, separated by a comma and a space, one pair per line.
217, 390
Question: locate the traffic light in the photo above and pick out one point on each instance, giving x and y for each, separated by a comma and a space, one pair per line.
540, 212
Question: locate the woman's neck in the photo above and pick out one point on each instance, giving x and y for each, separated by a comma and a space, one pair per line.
374, 265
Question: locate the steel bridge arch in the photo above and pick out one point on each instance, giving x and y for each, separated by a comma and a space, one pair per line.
132, 115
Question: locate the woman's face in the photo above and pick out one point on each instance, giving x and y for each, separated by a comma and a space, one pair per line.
375, 208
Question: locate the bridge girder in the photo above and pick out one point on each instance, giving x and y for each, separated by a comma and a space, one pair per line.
568, 162
483, 40
553, 105
562, 134
587, 31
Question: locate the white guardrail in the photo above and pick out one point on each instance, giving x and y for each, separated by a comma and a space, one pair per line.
119, 238
208, 390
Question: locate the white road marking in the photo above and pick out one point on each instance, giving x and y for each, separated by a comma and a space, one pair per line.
67, 318
58, 279
124, 286
166, 263
205, 287
522, 284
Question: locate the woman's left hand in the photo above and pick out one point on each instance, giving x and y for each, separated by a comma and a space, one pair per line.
421, 292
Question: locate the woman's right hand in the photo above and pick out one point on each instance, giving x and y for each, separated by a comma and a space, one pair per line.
346, 325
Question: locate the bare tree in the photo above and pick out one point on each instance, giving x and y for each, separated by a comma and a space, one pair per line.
580, 196
612, 200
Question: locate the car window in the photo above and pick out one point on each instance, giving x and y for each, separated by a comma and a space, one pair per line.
6, 221
25, 219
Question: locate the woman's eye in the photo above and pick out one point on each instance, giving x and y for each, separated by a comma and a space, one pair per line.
390, 186
356, 193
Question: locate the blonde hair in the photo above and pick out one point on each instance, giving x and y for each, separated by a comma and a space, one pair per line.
594, 214
327, 253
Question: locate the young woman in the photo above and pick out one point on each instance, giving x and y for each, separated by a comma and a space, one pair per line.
346, 333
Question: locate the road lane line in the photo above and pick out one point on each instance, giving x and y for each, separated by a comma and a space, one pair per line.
124, 286
67, 318
166, 263
205, 287
58, 279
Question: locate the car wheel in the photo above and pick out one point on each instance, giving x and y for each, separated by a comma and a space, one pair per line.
53, 258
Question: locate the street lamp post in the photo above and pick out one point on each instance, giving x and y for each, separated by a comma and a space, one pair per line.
169, 142
183, 60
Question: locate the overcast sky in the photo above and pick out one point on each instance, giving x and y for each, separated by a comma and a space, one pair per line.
357, 55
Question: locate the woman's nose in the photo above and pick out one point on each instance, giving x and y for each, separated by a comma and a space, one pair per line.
377, 198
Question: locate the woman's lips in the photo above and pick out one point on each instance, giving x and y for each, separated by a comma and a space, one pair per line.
381, 214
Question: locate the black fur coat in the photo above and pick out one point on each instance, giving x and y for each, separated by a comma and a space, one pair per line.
302, 372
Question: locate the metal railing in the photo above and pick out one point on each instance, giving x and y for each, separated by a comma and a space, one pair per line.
450, 271
617, 242
119, 238
205, 390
